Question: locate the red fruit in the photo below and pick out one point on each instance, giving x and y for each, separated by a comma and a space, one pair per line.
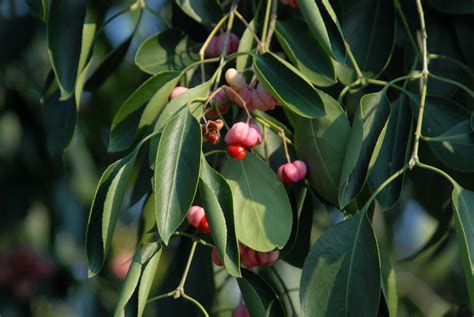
212, 137
236, 151
204, 226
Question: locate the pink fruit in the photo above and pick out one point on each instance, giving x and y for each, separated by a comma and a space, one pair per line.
197, 218
248, 135
177, 91
216, 45
235, 79
292, 172
240, 311
120, 264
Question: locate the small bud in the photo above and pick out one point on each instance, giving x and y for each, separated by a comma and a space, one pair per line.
235, 79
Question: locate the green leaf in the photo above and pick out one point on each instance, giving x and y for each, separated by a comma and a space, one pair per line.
389, 285
263, 216
455, 148
138, 111
367, 132
288, 86
441, 114
176, 172
393, 154
145, 262
472, 121
463, 207
369, 28
59, 119
203, 11
321, 144
341, 275
216, 198
303, 50
259, 297
64, 33
167, 50
325, 28
246, 44
464, 30
108, 65
105, 210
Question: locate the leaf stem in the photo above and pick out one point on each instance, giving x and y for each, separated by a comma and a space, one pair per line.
266, 22
202, 51
423, 86
194, 238
359, 74
196, 303
454, 83
214, 152
271, 125
272, 24
180, 289
438, 171
247, 25
169, 294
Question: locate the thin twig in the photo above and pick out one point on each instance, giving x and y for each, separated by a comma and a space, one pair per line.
202, 51
247, 25
272, 24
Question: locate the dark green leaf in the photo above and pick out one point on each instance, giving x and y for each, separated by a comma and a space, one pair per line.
138, 111
167, 50
321, 143
455, 148
263, 217
472, 121
141, 273
441, 114
176, 172
369, 28
367, 132
341, 275
108, 65
105, 210
203, 11
393, 154
322, 22
463, 207
303, 50
464, 30
259, 297
288, 86
59, 119
64, 32
216, 198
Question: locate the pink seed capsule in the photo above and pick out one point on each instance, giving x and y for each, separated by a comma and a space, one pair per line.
216, 45
235, 79
254, 136
292, 172
262, 258
237, 133
240, 311
195, 215
273, 256
177, 91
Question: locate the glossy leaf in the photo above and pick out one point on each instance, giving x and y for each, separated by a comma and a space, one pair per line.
288, 86
216, 197
367, 129
167, 50
203, 11
176, 172
369, 28
321, 144
324, 28
64, 33
105, 210
59, 119
393, 154
463, 207
341, 275
303, 50
262, 211
455, 148
441, 114
145, 261
138, 111
259, 297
